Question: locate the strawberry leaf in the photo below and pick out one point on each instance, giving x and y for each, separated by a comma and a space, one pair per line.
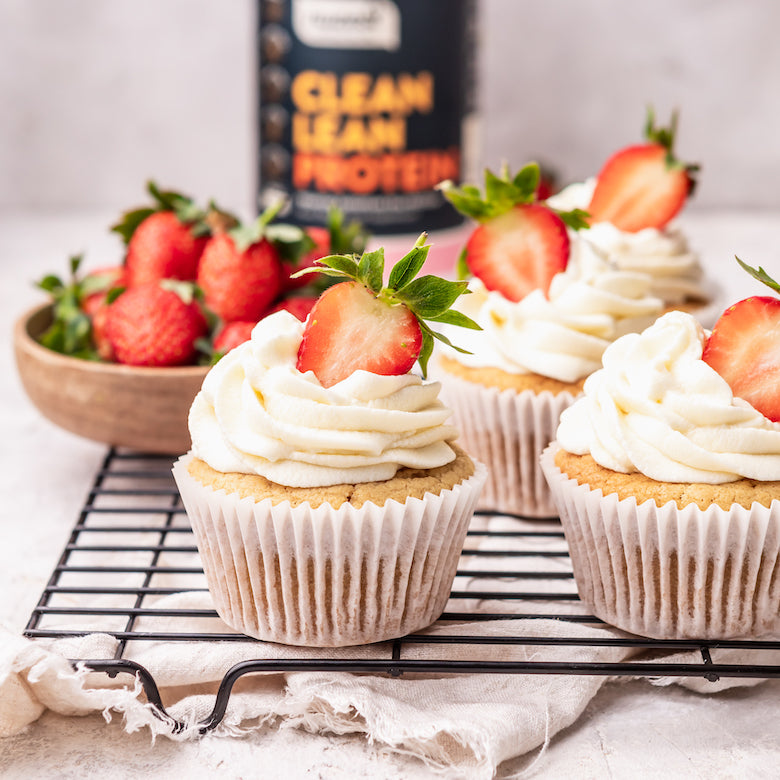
71, 329
341, 263
576, 219
245, 235
345, 239
371, 269
291, 241
50, 283
441, 337
660, 135
409, 265
113, 294
130, 221
501, 193
454, 317
185, 290
185, 209
426, 350
761, 275
430, 296
462, 270
527, 178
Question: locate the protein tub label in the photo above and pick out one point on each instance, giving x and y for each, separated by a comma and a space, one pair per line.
363, 104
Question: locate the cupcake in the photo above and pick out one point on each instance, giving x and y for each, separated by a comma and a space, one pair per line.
548, 304
328, 500
668, 482
632, 205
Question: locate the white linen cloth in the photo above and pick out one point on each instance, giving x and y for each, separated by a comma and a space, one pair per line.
466, 723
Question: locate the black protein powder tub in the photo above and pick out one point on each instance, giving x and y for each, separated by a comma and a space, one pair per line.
366, 104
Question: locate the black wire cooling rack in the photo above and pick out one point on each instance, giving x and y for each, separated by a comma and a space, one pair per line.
132, 546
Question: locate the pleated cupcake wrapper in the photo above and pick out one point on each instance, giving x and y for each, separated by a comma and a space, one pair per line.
328, 577
671, 573
508, 432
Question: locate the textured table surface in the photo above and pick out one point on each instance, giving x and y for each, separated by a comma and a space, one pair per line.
630, 729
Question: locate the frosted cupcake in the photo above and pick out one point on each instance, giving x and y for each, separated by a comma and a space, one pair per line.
542, 334
328, 500
632, 205
668, 488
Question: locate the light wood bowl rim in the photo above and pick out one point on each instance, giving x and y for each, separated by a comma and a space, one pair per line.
24, 337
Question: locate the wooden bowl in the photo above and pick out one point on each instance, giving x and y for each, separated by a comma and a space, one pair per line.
140, 408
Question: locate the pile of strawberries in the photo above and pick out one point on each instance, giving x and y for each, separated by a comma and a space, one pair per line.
192, 285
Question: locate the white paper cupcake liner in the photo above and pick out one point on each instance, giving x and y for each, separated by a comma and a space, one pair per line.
671, 573
328, 577
507, 431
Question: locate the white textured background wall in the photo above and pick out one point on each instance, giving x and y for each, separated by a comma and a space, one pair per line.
98, 95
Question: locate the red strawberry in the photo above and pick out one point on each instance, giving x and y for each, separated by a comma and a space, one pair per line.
300, 307
151, 325
548, 183
165, 240
96, 285
361, 324
239, 283
350, 329
519, 251
744, 349
321, 238
99, 332
643, 186
233, 334
162, 247
520, 244
335, 238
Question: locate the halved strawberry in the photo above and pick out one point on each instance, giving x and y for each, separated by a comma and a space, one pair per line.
643, 186
362, 324
351, 329
520, 244
744, 349
520, 251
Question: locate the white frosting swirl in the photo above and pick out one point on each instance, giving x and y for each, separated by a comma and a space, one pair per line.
663, 254
564, 335
657, 408
257, 414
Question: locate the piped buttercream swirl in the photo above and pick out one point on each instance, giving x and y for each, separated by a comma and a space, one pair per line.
564, 334
664, 255
657, 408
257, 413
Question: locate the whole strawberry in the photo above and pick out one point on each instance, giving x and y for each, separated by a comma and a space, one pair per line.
335, 238
165, 240
153, 325
240, 272
233, 334
645, 185
362, 324
519, 243
300, 306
